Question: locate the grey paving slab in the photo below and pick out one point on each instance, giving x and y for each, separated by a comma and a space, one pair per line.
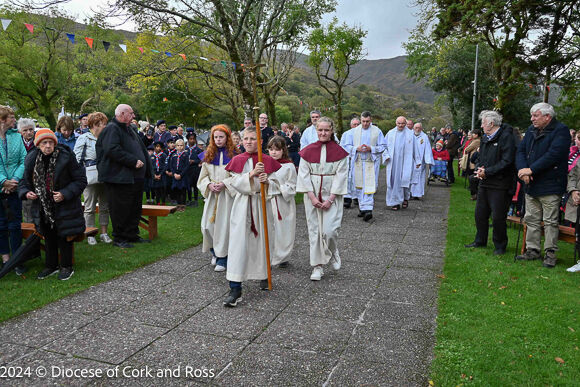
108, 340
370, 323
272, 365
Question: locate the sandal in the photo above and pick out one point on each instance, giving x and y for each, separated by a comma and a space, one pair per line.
405, 203
396, 208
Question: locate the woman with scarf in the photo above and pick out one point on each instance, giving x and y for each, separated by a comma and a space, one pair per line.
323, 176
54, 181
215, 221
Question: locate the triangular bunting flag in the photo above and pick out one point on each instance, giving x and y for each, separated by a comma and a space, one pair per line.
106, 45
6, 23
140, 49
155, 51
223, 62
168, 54
234, 63
71, 37
89, 42
183, 56
164, 99
202, 58
29, 27
123, 47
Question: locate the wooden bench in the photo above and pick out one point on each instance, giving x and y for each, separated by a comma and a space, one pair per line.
28, 229
152, 212
566, 234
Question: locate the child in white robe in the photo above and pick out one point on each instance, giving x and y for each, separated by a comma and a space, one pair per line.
323, 177
283, 190
215, 221
247, 252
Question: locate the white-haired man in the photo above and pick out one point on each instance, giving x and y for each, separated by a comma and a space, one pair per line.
123, 165
542, 164
425, 157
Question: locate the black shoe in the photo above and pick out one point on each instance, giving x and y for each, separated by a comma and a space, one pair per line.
20, 269
65, 273
46, 272
347, 202
361, 214
499, 252
264, 284
355, 201
284, 265
368, 216
122, 244
141, 240
474, 244
233, 298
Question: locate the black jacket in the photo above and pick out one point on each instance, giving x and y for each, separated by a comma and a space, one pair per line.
498, 157
115, 162
546, 153
70, 180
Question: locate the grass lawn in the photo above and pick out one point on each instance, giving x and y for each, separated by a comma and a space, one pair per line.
96, 264
503, 323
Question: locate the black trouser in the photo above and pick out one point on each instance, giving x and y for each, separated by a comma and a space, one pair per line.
450, 173
494, 202
159, 195
125, 209
53, 243
180, 195
473, 184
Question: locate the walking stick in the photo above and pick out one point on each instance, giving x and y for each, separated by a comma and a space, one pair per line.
253, 69
522, 213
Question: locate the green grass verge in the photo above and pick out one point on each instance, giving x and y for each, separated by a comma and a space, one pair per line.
96, 264
500, 322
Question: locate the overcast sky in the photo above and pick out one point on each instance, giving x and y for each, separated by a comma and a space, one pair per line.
388, 22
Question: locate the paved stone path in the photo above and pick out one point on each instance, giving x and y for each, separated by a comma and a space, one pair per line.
372, 322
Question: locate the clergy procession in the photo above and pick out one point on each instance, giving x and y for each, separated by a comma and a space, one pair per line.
248, 233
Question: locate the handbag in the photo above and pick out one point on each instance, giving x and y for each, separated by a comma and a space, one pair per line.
90, 168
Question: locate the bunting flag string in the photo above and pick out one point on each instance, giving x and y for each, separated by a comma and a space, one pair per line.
89, 42
6, 23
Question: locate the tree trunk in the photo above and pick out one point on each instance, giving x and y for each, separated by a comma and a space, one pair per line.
270, 109
338, 101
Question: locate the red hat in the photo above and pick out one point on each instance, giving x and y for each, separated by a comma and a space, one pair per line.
44, 134
440, 142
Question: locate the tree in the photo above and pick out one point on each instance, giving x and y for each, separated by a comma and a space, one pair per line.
333, 51
529, 39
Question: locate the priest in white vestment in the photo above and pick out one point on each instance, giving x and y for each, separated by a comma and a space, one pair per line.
425, 157
399, 157
351, 194
365, 145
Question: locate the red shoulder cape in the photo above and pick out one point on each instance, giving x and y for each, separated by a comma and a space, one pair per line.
237, 163
334, 152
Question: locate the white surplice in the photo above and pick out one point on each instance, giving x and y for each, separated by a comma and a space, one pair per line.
246, 252
399, 157
323, 179
424, 157
364, 167
215, 221
283, 189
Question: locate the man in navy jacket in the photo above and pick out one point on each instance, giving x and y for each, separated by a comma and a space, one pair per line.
542, 164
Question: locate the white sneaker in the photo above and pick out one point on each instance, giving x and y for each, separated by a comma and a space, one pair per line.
575, 268
317, 273
219, 268
335, 260
213, 261
91, 240
105, 238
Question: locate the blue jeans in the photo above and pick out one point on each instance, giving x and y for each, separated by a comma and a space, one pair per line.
10, 223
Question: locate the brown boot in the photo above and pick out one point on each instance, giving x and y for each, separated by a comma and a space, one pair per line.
529, 255
550, 259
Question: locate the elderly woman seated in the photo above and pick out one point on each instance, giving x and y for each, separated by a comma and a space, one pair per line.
54, 182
